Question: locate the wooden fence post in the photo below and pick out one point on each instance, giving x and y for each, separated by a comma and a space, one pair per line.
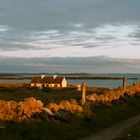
83, 93
124, 83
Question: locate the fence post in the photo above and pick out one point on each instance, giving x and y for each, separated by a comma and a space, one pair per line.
83, 93
124, 83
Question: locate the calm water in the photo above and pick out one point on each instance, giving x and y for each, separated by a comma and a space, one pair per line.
103, 83
107, 83
98, 83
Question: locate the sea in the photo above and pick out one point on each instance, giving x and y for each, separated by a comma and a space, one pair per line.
109, 83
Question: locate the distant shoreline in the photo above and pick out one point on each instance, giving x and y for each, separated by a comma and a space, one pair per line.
67, 77
98, 78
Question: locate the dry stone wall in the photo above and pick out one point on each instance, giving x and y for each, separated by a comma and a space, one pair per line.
11, 110
115, 94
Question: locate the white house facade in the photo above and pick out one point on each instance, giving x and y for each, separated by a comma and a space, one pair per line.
43, 81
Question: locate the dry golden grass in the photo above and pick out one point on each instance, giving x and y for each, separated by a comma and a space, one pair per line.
13, 84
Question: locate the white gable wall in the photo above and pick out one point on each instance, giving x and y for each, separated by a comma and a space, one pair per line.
64, 83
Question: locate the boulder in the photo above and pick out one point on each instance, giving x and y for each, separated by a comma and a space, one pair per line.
73, 101
29, 106
48, 111
65, 105
53, 107
92, 97
70, 106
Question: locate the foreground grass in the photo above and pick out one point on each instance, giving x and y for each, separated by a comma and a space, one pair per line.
94, 118
42, 130
75, 127
132, 133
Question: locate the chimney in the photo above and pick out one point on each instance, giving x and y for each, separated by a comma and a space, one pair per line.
42, 76
54, 76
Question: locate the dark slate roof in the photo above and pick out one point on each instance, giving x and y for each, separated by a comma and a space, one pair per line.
48, 80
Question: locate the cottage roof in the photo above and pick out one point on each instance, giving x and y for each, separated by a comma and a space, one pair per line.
47, 80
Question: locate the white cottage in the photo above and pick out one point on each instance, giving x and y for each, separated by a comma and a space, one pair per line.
43, 81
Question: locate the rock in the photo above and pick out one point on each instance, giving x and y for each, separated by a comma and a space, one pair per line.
73, 108
53, 107
13, 105
65, 105
30, 102
100, 98
73, 101
29, 106
92, 97
70, 106
39, 104
79, 109
11, 110
48, 111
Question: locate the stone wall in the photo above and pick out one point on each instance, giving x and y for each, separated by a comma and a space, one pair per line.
11, 110
115, 94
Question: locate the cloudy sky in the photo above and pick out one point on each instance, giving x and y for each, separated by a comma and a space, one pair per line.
95, 36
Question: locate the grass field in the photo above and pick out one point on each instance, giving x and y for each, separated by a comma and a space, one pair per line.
132, 133
76, 126
18, 93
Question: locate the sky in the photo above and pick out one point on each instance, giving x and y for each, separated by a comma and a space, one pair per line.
64, 36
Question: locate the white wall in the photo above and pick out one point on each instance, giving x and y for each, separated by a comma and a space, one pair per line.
64, 83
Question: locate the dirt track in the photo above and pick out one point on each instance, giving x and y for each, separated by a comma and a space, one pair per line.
115, 130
